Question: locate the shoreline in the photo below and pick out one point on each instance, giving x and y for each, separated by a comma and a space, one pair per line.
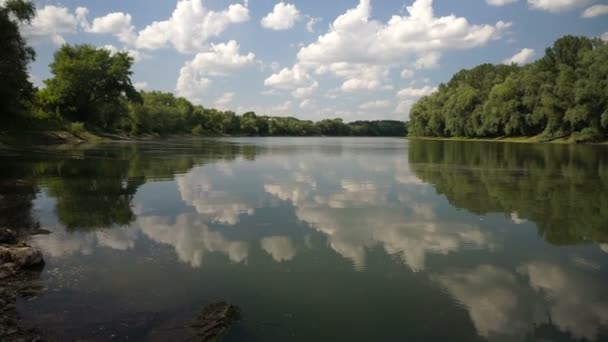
516, 140
20, 268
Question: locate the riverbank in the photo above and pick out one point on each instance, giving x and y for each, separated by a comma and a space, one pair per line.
20, 266
519, 140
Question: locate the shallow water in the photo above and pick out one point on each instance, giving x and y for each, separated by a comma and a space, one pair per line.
353, 239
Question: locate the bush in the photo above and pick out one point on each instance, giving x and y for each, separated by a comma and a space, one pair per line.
589, 134
198, 130
76, 128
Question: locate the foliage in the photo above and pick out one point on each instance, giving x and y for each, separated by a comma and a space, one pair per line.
563, 94
15, 88
89, 85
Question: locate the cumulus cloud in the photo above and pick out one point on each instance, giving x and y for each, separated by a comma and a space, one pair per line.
282, 17
407, 73
556, 5
416, 92
595, 11
362, 51
190, 26
522, 57
224, 100
290, 78
118, 24
219, 60
310, 24
53, 22
214, 205
140, 85
379, 104
401, 227
500, 2
280, 248
507, 313
135, 54
192, 239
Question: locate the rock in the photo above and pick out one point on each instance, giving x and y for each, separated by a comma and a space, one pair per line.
215, 321
22, 256
7, 235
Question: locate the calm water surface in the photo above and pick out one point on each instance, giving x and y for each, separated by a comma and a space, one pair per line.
317, 239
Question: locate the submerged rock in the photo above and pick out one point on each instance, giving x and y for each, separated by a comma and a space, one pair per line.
20, 256
215, 321
7, 235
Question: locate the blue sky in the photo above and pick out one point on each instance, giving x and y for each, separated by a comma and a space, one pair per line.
355, 59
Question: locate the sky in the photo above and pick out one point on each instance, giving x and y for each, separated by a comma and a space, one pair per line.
311, 59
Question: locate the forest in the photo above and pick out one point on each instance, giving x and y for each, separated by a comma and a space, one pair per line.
563, 95
91, 90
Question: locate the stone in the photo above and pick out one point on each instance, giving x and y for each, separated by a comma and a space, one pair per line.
215, 321
7, 235
20, 257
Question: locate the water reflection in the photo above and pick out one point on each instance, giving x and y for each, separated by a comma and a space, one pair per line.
447, 228
561, 188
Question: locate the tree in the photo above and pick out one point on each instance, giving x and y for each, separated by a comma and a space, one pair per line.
89, 85
564, 94
15, 89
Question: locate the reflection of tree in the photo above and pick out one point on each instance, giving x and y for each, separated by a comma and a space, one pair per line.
94, 193
562, 188
94, 185
17, 191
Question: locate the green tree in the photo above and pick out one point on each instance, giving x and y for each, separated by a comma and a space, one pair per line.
15, 89
89, 85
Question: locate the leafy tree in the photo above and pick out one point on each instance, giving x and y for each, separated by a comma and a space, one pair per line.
15, 89
564, 94
89, 85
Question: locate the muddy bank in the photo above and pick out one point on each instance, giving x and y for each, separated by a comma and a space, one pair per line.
20, 266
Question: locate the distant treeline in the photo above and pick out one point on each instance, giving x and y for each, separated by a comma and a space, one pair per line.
91, 89
563, 94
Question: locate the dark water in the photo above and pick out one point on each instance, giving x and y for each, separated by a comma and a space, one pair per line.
317, 239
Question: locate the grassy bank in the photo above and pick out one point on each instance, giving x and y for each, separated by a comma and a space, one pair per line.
523, 140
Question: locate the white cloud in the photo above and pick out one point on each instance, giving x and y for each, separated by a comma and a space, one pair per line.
362, 51
224, 100
379, 104
595, 11
135, 54
310, 25
428, 61
279, 247
556, 5
219, 60
305, 92
190, 26
416, 92
53, 22
282, 17
354, 37
604, 36
407, 73
522, 57
192, 239
118, 24
140, 85
290, 78
196, 189
500, 2
404, 107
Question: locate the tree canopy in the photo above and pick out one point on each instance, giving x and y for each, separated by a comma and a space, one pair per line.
89, 85
15, 89
563, 94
